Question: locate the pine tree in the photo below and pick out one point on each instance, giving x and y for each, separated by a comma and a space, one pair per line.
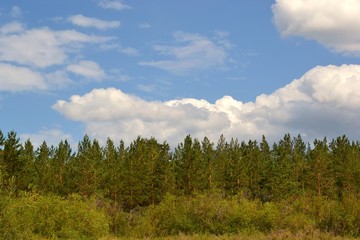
87, 166
321, 178
207, 148
110, 175
255, 167
221, 163
282, 182
28, 174
265, 184
42, 167
62, 156
11, 157
2, 164
346, 167
298, 165
145, 173
184, 160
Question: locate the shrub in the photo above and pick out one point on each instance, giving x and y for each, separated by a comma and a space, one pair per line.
51, 217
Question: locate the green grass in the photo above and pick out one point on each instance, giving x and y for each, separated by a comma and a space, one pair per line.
276, 235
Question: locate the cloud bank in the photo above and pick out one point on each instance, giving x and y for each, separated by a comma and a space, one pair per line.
333, 23
323, 102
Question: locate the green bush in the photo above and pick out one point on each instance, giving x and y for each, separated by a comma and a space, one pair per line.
51, 217
205, 214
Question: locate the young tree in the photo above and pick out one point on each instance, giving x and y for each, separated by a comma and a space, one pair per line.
11, 157
145, 176
221, 163
299, 165
109, 174
42, 167
346, 165
207, 148
184, 161
87, 166
320, 177
2, 141
255, 168
28, 173
62, 156
282, 182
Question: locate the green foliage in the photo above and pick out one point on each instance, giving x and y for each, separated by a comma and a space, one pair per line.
51, 217
146, 190
205, 214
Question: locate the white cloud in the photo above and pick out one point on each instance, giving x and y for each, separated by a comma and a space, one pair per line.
14, 78
147, 88
51, 136
333, 23
88, 69
325, 101
126, 50
41, 47
144, 25
16, 11
129, 51
83, 21
195, 52
13, 27
58, 79
118, 5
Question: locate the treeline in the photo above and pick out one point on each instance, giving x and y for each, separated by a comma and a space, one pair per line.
143, 172
146, 172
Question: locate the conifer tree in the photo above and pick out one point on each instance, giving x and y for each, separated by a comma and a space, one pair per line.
42, 167
282, 182
2, 167
28, 173
255, 167
321, 178
298, 165
62, 156
11, 156
221, 163
265, 183
207, 148
111, 171
184, 160
345, 159
86, 166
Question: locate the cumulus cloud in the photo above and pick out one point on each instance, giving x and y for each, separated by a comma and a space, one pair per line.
88, 69
51, 136
40, 47
118, 5
323, 102
83, 21
334, 24
191, 53
13, 27
14, 78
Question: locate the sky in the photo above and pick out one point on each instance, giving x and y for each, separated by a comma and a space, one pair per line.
166, 69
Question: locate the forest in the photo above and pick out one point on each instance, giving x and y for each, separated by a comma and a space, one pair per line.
199, 188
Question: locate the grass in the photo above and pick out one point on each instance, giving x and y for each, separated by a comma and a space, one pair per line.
275, 235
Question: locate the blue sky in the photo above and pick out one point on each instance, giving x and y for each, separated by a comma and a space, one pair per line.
119, 69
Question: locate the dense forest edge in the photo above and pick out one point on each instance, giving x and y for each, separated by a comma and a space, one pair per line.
220, 190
